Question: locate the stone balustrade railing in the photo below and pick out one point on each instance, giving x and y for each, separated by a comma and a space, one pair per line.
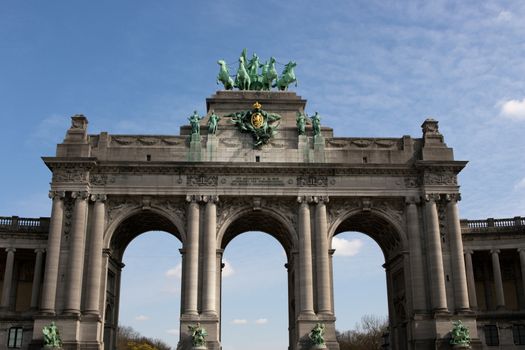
17, 224
516, 223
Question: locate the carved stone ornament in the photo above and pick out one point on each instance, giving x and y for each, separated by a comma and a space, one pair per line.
202, 180
312, 181
101, 179
57, 194
98, 197
69, 175
430, 127
259, 123
440, 178
116, 206
79, 121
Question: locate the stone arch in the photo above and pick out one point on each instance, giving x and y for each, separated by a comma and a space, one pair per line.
134, 221
380, 225
267, 220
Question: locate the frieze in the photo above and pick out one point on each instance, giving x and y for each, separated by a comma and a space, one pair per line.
257, 181
441, 178
144, 141
312, 181
202, 180
69, 175
412, 182
101, 179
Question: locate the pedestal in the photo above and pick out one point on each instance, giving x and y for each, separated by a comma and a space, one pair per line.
211, 147
319, 156
195, 148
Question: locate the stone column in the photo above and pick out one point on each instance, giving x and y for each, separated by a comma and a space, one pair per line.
470, 279
77, 240
522, 262
322, 259
456, 253
416, 257
191, 257
435, 255
498, 282
95, 255
8, 278
49, 287
305, 258
37, 278
210, 255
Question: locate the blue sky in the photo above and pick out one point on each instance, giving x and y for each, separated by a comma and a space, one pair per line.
371, 68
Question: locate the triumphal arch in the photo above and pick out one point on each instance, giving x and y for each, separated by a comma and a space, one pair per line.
254, 162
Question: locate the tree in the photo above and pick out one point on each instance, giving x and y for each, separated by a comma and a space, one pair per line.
367, 335
130, 339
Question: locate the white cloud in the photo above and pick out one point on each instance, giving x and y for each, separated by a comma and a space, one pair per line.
240, 321
261, 321
344, 247
513, 109
175, 272
141, 318
227, 270
520, 185
504, 16
173, 331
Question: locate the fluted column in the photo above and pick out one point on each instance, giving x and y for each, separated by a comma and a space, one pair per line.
191, 257
522, 262
459, 276
470, 280
435, 255
210, 255
305, 258
49, 287
322, 259
8, 278
75, 264
95, 255
498, 282
416, 256
37, 278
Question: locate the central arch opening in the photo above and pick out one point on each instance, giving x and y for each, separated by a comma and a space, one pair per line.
257, 310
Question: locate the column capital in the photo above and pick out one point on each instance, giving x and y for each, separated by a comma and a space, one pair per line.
99, 197
57, 194
468, 251
40, 250
193, 198
10, 249
304, 199
80, 195
495, 251
432, 197
320, 199
521, 249
453, 197
409, 200
212, 199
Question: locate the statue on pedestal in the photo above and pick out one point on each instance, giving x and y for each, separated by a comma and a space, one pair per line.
197, 336
213, 122
301, 123
316, 124
52, 337
317, 336
195, 123
460, 336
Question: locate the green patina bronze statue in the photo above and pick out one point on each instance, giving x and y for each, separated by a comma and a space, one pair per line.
460, 335
224, 76
316, 124
52, 337
198, 335
248, 77
195, 123
301, 123
287, 77
261, 124
317, 335
213, 122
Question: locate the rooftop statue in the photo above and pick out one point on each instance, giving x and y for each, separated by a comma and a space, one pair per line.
287, 77
249, 78
316, 124
213, 122
224, 76
52, 337
195, 123
301, 123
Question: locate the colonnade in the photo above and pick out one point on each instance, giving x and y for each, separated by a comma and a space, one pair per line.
497, 277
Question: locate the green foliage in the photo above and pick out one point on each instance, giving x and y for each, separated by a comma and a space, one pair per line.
366, 336
130, 339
